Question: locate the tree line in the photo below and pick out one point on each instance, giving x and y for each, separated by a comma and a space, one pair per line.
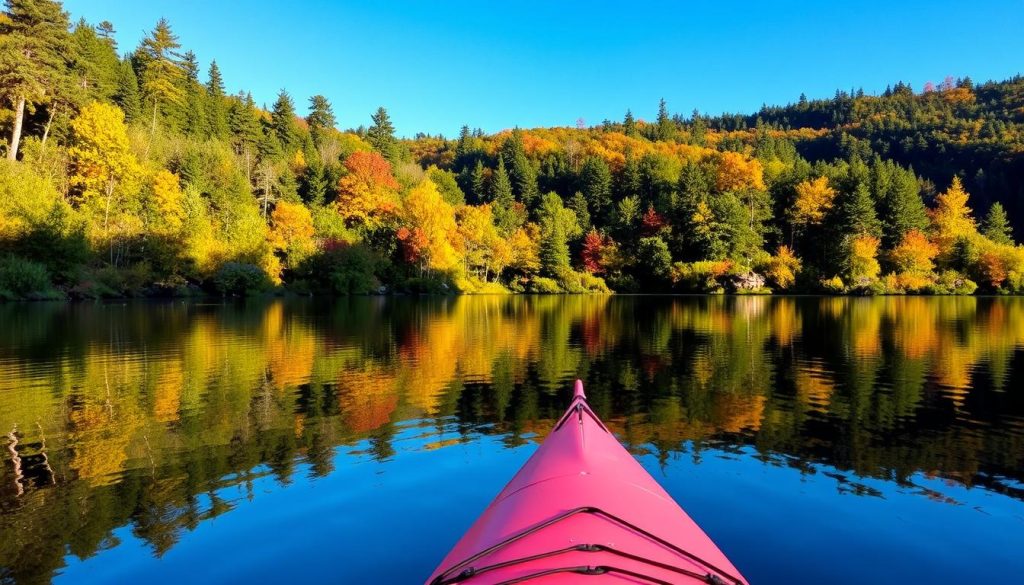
139, 174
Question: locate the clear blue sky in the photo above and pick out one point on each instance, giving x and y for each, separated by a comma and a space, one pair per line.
495, 65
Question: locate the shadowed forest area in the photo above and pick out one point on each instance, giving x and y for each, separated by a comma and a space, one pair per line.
132, 172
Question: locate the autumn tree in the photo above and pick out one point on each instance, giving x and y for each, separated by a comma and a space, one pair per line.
814, 198
34, 43
426, 212
366, 194
104, 166
291, 232
167, 202
861, 263
783, 268
952, 219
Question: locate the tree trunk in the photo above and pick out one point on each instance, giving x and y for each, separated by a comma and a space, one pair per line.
19, 120
49, 123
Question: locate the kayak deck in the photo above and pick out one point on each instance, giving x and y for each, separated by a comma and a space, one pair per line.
583, 509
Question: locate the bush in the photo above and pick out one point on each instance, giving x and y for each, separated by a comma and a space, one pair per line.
543, 285
340, 269
951, 282
705, 276
240, 278
593, 284
24, 279
834, 285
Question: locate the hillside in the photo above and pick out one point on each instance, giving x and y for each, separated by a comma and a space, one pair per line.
141, 175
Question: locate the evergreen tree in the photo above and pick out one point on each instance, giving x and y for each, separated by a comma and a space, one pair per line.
698, 129
381, 135
596, 184
216, 104
666, 129
502, 200
196, 123
246, 130
162, 71
557, 226
478, 183
901, 206
126, 95
578, 204
855, 212
34, 44
630, 179
95, 65
521, 171
321, 117
282, 123
629, 124
996, 225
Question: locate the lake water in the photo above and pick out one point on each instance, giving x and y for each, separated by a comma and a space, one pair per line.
816, 440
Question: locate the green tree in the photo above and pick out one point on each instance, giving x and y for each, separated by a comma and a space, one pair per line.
557, 226
126, 95
162, 72
520, 170
216, 103
996, 225
503, 201
578, 205
478, 182
596, 185
282, 123
629, 125
196, 123
654, 261
901, 207
381, 135
34, 42
321, 118
666, 128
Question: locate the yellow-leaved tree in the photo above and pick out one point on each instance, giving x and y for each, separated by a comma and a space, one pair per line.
432, 218
106, 172
814, 198
167, 202
862, 266
913, 258
952, 218
291, 232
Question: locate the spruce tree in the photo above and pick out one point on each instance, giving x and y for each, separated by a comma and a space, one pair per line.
381, 135
629, 124
216, 103
996, 225
665, 126
126, 95
596, 185
901, 206
478, 183
502, 200
321, 117
520, 170
282, 123
196, 123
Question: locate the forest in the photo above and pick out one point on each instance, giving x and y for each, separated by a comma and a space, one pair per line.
131, 172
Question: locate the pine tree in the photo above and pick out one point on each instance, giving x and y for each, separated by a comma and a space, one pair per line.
557, 226
162, 72
478, 183
520, 170
216, 105
996, 226
126, 96
94, 63
902, 209
665, 126
245, 129
629, 124
578, 204
381, 135
196, 123
34, 44
321, 117
502, 200
596, 184
630, 178
282, 122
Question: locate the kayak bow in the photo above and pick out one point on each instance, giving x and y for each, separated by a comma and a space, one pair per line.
583, 509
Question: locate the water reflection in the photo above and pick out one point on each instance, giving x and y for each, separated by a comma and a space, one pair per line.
140, 414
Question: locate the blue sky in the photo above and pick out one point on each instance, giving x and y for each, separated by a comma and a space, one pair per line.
495, 65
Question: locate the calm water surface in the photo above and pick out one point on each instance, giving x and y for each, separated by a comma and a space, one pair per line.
817, 440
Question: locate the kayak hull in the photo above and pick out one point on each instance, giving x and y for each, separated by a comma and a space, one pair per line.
583, 509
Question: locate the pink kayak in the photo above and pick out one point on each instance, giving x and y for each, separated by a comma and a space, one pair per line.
582, 510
